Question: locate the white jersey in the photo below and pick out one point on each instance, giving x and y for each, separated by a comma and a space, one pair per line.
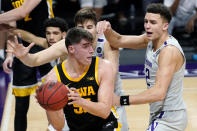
99, 51
173, 99
120, 110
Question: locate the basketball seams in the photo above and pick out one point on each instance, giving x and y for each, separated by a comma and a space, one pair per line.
43, 92
61, 84
53, 95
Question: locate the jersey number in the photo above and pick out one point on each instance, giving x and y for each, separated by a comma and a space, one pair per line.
27, 18
147, 76
79, 109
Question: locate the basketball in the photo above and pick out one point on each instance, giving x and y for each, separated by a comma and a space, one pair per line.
52, 95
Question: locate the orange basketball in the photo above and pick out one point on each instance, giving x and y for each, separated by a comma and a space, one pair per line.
52, 95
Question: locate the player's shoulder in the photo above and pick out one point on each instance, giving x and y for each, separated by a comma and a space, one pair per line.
52, 75
103, 63
170, 53
170, 49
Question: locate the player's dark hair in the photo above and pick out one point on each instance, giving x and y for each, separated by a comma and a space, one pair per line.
56, 22
158, 8
76, 34
85, 14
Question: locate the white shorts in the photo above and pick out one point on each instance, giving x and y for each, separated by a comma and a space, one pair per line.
66, 128
93, 3
169, 121
120, 110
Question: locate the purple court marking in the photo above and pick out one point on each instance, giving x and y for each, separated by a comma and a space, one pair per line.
4, 81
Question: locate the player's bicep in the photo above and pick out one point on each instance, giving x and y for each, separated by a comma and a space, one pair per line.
106, 87
112, 54
166, 69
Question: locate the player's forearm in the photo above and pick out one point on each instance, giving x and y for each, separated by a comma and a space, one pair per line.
96, 108
29, 37
8, 54
12, 15
112, 37
56, 118
148, 96
31, 60
126, 41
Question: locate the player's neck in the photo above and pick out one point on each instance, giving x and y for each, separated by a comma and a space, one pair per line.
157, 43
74, 68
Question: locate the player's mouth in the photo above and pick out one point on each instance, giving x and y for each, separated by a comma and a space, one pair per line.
149, 34
89, 58
51, 43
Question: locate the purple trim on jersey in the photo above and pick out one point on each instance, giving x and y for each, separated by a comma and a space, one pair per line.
152, 126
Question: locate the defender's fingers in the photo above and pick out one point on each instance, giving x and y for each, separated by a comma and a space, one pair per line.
9, 51
30, 46
16, 40
10, 44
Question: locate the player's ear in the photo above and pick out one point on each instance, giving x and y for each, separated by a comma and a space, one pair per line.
64, 35
70, 49
165, 27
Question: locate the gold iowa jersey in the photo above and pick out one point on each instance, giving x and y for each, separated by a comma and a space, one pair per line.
87, 85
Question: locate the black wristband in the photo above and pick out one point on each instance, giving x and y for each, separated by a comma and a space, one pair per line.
124, 100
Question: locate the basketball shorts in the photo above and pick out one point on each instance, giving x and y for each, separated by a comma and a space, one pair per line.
25, 78
93, 3
168, 121
122, 118
120, 110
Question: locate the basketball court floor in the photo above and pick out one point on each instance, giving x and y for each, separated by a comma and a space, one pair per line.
137, 115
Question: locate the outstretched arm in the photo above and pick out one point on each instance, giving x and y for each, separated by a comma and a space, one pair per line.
39, 58
29, 37
121, 41
19, 13
170, 61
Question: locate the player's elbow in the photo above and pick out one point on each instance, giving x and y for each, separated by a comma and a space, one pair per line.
105, 113
22, 15
22, 12
58, 128
161, 96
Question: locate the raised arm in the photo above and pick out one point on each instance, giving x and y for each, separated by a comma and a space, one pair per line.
29, 37
39, 58
19, 13
121, 41
112, 54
